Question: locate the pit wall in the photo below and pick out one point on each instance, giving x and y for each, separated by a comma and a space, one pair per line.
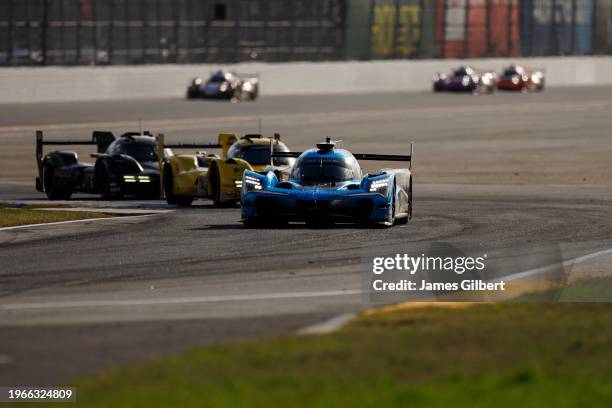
58, 84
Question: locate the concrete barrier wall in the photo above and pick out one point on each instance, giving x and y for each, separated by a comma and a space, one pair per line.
55, 84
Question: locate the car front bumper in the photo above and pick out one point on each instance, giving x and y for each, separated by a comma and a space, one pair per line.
361, 207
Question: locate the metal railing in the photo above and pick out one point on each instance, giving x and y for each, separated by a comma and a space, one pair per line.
65, 32
73, 32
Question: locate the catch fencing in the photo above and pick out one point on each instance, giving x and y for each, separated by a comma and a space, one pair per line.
101, 32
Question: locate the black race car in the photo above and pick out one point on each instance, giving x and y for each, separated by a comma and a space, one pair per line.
124, 166
224, 85
127, 165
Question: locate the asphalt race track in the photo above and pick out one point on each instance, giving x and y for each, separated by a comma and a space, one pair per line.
505, 173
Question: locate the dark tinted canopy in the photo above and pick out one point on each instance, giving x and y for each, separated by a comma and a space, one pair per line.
219, 76
259, 154
463, 71
312, 170
140, 150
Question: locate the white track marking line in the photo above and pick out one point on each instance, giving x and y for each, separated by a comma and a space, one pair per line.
569, 262
177, 301
248, 297
73, 221
329, 325
337, 322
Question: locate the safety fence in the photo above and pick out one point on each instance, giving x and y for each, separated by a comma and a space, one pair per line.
80, 32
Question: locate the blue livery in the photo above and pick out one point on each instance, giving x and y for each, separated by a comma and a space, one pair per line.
325, 185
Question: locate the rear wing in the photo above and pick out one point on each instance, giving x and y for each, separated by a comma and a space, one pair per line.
360, 156
101, 139
240, 75
225, 140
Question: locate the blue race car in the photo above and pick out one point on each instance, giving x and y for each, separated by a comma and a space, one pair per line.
325, 185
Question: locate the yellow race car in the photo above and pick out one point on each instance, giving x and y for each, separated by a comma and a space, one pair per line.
219, 178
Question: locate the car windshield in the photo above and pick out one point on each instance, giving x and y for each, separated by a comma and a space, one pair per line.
462, 71
511, 71
140, 152
259, 155
319, 170
218, 77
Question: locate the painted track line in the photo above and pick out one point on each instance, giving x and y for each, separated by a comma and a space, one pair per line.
176, 301
569, 262
339, 321
17, 227
327, 326
254, 297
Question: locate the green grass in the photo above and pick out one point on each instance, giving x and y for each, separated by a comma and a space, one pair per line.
592, 289
505, 354
10, 217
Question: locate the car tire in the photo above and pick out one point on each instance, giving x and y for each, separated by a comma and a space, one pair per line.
404, 220
52, 187
251, 222
171, 198
236, 96
215, 182
391, 219
410, 202
104, 184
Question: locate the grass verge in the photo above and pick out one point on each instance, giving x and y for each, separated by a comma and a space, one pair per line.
10, 217
477, 355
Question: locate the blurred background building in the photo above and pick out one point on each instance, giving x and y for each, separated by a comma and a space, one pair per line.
71, 32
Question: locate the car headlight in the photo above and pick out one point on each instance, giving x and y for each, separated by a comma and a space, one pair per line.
380, 186
223, 87
515, 80
465, 81
251, 183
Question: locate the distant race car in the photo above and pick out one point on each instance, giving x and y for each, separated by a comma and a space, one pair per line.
124, 166
203, 175
325, 185
224, 85
517, 78
465, 79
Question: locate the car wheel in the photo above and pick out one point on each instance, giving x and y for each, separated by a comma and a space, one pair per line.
215, 183
171, 198
409, 201
52, 187
104, 186
251, 222
390, 221
404, 220
253, 95
236, 96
